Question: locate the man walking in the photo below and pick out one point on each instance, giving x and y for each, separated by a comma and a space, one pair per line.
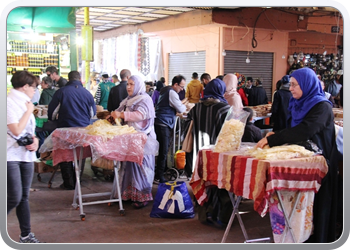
194, 89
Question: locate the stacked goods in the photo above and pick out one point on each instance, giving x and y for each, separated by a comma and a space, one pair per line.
338, 112
230, 136
339, 123
261, 110
107, 130
338, 116
280, 152
40, 110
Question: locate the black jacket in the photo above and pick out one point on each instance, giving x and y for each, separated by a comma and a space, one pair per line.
251, 133
257, 96
279, 109
116, 95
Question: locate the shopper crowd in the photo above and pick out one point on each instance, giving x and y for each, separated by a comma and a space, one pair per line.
301, 110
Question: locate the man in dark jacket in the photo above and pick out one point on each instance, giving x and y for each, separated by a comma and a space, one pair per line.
118, 93
257, 95
71, 106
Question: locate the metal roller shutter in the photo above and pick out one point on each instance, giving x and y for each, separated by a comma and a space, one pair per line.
260, 66
185, 63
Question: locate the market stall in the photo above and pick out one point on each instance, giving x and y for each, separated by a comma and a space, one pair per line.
73, 144
284, 188
338, 116
38, 37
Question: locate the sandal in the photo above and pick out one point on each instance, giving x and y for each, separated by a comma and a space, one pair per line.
138, 204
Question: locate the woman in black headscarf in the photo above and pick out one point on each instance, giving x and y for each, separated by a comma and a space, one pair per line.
159, 85
280, 104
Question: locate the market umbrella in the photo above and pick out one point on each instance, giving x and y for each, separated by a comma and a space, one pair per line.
42, 19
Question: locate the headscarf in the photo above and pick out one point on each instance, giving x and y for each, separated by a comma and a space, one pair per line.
312, 94
139, 101
285, 79
231, 95
159, 85
215, 89
285, 82
241, 80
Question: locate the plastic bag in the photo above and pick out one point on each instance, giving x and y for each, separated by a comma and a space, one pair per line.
232, 130
172, 201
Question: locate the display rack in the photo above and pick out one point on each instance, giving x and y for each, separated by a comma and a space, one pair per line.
33, 57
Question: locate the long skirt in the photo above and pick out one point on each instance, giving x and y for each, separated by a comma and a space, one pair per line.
137, 181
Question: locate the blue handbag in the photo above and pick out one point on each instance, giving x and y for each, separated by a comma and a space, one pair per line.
172, 201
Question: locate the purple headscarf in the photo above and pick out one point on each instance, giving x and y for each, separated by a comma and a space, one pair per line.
312, 94
215, 89
142, 102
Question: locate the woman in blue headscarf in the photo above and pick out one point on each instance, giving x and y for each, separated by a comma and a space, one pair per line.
137, 111
208, 117
215, 91
311, 118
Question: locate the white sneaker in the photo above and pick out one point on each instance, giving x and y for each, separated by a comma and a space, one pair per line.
30, 238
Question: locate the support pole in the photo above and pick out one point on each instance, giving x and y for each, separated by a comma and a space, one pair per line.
87, 42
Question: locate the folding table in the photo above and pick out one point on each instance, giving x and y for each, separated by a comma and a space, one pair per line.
78, 193
270, 184
71, 144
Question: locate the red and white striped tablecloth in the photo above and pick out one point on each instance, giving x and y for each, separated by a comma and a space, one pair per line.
253, 178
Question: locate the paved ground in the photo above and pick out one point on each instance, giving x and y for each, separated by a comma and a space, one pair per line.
54, 220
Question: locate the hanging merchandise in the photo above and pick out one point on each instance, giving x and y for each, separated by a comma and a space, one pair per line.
144, 56
139, 39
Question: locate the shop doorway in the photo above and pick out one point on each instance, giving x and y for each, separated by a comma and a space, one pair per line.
260, 66
185, 63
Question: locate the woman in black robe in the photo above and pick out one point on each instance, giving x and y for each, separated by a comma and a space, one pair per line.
280, 104
312, 119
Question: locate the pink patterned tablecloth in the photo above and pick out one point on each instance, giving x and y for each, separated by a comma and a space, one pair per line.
128, 147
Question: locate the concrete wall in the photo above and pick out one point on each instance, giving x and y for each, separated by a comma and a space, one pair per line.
198, 38
238, 38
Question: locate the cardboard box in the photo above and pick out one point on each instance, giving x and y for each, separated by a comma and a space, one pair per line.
46, 156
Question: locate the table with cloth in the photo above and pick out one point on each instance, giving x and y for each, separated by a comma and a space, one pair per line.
262, 181
73, 144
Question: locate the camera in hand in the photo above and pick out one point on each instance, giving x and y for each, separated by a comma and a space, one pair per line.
25, 140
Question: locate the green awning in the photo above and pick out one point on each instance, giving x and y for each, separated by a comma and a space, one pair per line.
42, 19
